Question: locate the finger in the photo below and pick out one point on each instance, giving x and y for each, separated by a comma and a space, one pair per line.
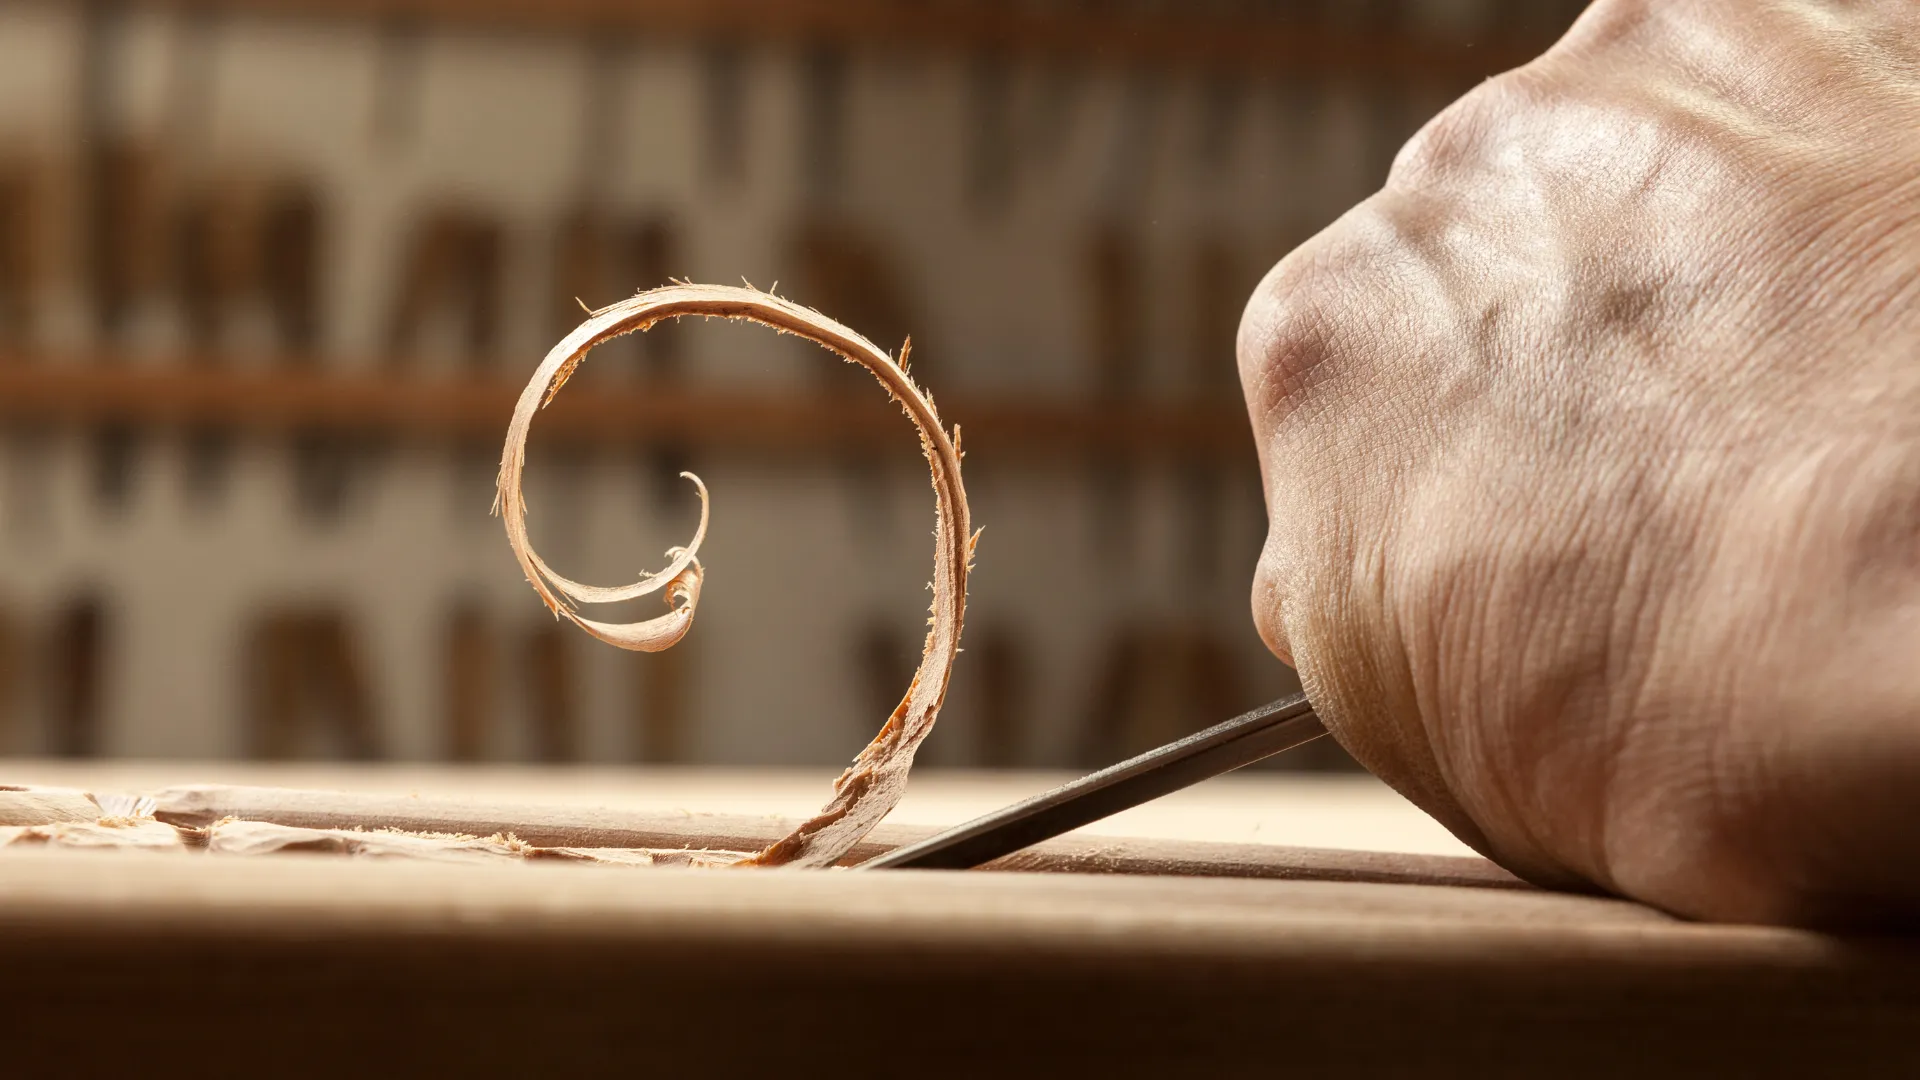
1269, 607
1323, 362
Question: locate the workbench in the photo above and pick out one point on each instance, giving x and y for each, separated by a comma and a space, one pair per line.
1329, 928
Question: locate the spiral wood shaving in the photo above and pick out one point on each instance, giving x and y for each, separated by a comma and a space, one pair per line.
874, 783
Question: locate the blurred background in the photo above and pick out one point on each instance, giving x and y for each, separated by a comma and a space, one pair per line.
272, 272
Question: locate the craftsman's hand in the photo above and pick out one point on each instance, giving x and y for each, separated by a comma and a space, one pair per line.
1592, 448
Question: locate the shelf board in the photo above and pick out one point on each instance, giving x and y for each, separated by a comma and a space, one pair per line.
292, 397
1170, 35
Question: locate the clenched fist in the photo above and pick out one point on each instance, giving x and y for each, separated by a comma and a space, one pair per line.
1592, 453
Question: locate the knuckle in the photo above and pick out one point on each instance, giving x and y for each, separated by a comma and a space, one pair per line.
1279, 335
1611, 23
1286, 338
1463, 138
1553, 96
1638, 30
1455, 138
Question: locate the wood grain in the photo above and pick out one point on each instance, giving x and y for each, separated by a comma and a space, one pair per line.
311, 966
200, 805
44, 806
1158, 958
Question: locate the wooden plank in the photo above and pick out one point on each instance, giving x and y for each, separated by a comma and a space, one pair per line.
1350, 811
200, 805
322, 965
1160, 957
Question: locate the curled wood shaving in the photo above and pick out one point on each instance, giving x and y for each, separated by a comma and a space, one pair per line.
875, 782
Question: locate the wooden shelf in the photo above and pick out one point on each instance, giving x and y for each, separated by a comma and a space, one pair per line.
1172, 35
289, 397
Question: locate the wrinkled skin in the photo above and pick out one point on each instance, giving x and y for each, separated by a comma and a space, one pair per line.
1592, 452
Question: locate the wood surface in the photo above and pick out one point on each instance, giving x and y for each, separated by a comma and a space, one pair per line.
311, 966
200, 805
1126, 957
26, 806
1349, 811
